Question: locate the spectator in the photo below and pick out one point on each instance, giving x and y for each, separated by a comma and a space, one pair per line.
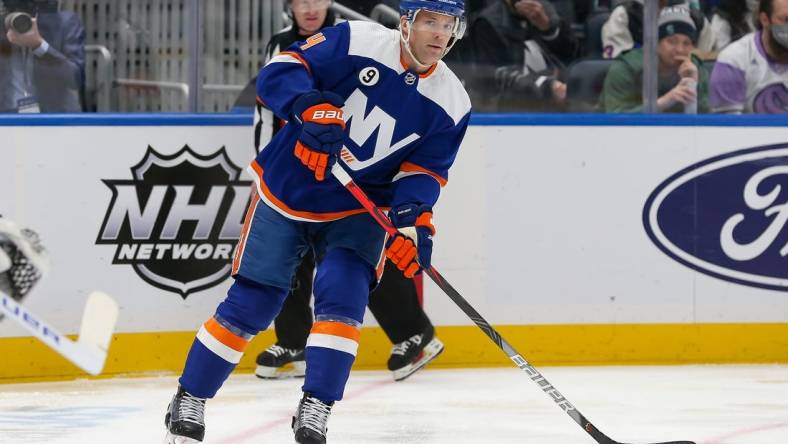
682, 85
624, 29
751, 74
731, 21
519, 48
42, 67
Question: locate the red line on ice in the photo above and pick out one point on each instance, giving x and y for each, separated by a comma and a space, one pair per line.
270, 425
748, 431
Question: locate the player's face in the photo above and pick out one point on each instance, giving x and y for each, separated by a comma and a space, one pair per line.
309, 15
429, 36
673, 50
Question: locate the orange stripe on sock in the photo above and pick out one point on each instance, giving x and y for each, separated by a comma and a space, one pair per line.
336, 329
225, 336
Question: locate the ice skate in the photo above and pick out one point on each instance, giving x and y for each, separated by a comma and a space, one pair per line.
409, 356
185, 419
278, 362
310, 421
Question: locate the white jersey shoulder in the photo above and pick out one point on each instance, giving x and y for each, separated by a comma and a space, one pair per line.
444, 88
382, 44
375, 41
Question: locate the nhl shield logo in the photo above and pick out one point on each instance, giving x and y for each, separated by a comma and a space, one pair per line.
177, 221
410, 78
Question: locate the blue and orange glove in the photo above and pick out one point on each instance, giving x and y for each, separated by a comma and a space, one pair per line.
411, 249
322, 131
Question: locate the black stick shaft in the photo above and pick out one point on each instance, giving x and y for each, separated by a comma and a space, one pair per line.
381, 218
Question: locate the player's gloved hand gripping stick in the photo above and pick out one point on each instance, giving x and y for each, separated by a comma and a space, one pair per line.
322, 132
381, 218
410, 249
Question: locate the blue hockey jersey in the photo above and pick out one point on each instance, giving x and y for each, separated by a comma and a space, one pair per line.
403, 129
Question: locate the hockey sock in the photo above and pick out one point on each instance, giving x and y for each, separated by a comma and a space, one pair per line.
220, 343
342, 287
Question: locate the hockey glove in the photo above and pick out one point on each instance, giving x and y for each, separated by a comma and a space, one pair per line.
411, 249
322, 131
23, 260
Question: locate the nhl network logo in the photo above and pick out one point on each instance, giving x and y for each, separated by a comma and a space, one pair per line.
177, 221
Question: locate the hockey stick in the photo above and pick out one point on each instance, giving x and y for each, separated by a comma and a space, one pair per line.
89, 352
383, 220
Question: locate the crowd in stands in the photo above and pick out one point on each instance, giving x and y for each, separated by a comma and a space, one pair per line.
724, 56
720, 56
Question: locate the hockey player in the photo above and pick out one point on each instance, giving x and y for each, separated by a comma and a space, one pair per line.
383, 102
394, 303
23, 260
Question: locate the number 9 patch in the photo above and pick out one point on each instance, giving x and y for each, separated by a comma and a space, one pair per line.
369, 76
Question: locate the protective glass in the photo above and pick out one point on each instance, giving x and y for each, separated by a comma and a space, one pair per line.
309, 5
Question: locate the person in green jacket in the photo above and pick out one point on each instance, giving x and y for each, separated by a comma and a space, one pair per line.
683, 84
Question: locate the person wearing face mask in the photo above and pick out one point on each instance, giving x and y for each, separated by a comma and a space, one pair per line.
751, 74
682, 84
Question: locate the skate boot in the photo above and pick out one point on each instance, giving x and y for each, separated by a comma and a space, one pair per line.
409, 356
185, 418
310, 420
277, 362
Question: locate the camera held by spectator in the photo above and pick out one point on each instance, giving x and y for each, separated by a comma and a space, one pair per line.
42, 57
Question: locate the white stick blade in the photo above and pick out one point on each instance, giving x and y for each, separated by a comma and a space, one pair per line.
98, 321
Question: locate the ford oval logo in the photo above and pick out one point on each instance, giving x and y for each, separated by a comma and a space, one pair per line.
726, 216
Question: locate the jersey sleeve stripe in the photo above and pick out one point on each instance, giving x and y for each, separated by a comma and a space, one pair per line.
288, 56
409, 169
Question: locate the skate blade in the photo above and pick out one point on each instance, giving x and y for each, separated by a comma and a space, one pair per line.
292, 370
430, 352
172, 439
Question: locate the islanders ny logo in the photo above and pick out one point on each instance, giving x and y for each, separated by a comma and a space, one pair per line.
726, 217
176, 222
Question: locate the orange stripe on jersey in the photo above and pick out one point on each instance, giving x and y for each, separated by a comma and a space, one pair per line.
298, 57
239, 250
409, 167
336, 329
423, 75
225, 336
320, 217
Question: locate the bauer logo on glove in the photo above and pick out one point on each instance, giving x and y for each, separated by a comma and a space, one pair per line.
322, 131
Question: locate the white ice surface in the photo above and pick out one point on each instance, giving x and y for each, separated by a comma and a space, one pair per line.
708, 404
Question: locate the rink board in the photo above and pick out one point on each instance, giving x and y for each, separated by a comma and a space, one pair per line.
541, 228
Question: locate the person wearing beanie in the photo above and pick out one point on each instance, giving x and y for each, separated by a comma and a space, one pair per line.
682, 82
623, 30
